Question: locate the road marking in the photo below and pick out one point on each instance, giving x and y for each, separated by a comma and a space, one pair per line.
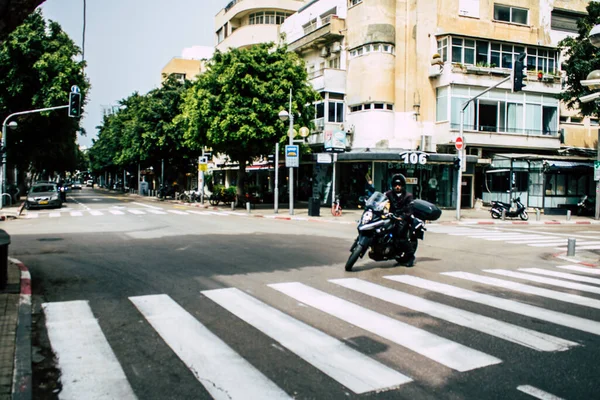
503, 330
220, 214
534, 241
54, 214
136, 211
565, 241
89, 368
547, 281
579, 247
513, 306
146, 205
178, 212
222, 371
347, 366
199, 212
519, 287
116, 212
32, 215
524, 238
156, 211
96, 213
76, 214
537, 393
446, 352
586, 270
572, 277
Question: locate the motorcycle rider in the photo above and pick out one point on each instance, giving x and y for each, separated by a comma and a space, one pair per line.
401, 206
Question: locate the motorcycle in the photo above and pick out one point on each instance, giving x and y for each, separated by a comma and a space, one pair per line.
499, 206
377, 227
166, 191
586, 206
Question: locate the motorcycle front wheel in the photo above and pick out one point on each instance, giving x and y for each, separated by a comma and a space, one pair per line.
353, 257
495, 214
524, 216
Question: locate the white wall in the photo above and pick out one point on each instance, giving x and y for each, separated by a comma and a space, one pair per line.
292, 26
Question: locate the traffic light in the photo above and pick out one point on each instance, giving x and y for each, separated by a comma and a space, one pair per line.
74, 105
518, 73
456, 163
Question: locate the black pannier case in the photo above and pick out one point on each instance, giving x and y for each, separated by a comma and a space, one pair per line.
425, 210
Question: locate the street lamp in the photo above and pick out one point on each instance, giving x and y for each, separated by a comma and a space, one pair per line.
284, 116
592, 81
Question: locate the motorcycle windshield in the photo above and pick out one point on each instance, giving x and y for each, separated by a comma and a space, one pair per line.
377, 201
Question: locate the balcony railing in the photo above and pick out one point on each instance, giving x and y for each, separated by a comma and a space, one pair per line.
319, 124
495, 129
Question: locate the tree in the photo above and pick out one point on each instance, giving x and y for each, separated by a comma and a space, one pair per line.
582, 58
37, 70
13, 13
234, 106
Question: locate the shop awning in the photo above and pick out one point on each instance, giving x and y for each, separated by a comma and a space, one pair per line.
493, 171
557, 164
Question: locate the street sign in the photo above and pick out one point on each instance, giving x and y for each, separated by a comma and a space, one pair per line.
74, 89
597, 170
323, 158
292, 156
458, 143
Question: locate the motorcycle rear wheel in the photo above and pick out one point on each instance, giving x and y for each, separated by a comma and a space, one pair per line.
354, 257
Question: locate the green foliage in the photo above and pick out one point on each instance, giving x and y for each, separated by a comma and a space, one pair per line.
582, 58
143, 131
37, 70
234, 106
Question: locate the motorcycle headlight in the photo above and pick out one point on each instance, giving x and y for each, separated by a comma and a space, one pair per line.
367, 217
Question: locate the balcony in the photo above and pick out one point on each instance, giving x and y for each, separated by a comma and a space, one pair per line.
328, 32
328, 80
484, 75
249, 35
521, 138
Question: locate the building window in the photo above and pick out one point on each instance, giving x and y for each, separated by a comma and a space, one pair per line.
564, 20
335, 63
372, 106
326, 16
441, 106
356, 108
355, 2
335, 111
372, 48
511, 14
442, 48
267, 17
319, 110
310, 26
463, 51
220, 35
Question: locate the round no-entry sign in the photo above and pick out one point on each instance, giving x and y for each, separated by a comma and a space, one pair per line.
458, 143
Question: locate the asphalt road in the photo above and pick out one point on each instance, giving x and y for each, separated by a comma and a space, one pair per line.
157, 301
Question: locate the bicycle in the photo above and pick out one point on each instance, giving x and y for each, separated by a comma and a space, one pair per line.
336, 209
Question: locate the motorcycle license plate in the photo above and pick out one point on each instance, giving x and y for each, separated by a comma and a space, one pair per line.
43, 201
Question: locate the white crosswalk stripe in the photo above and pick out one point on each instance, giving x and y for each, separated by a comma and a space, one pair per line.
178, 212
586, 270
76, 214
54, 214
89, 368
123, 211
223, 372
116, 212
347, 366
96, 213
156, 211
547, 281
535, 340
519, 287
451, 354
135, 211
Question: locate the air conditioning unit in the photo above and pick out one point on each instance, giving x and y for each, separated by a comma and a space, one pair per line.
324, 52
427, 143
336, 47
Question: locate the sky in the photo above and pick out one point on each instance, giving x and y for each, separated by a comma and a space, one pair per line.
128, 42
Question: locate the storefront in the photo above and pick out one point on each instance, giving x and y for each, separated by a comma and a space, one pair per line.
429, 176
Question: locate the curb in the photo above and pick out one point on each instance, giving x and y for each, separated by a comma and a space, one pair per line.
22, 374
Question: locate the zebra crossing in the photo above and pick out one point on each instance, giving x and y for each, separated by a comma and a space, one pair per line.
546, 240
30, 214
90, 367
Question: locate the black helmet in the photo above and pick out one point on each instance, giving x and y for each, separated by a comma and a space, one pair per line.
398, 179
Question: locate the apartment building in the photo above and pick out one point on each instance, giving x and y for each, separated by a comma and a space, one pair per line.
395, 75
191, 63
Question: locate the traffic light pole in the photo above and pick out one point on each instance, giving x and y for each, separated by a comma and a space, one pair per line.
4, 124
460, 153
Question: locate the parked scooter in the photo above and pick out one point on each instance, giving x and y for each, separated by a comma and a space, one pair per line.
586, 206
499, 206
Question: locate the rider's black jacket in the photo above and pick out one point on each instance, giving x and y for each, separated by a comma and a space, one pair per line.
400, 205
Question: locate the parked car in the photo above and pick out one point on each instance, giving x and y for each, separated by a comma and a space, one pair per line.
43, 195
77, 185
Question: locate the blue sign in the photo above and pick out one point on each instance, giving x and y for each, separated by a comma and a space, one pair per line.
292, 156
74, 89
